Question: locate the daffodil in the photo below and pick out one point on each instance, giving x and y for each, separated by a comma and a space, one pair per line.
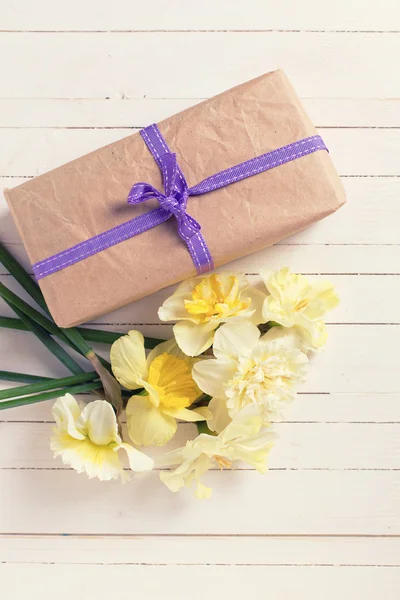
250, 369
294, 301
169, 388
245, 439
201, 304
88, 440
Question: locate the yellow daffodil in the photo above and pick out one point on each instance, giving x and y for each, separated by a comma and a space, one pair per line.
201, 304
294, 301
250, 369
169, 388
245, 439
88, 440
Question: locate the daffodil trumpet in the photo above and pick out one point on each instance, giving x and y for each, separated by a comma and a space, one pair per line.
169, 388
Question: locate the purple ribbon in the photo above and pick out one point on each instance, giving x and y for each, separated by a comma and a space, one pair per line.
173, 202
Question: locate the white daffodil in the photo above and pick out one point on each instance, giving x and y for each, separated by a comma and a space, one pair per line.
88, 440
294, 301
201, 304
245, 439
250, 369
169, 388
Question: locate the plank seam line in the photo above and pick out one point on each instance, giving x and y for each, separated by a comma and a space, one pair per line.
202, 564
297, 536
198, 31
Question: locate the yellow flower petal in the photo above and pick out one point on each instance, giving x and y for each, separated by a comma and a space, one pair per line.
184, 414
128, 360
147, 425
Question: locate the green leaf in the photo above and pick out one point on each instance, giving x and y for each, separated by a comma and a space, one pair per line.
48, 341
23, 278
78, 389
49, 384
22, 377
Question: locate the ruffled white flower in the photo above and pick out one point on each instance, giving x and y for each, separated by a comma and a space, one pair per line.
88, 440
250, 369
201, 304
169, 388
294, 301
245, 439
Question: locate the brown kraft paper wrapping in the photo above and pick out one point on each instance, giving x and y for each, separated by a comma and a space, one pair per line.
88, 196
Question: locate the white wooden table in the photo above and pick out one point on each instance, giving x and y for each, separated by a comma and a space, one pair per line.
325, 521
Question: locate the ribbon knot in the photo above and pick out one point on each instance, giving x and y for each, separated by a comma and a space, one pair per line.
174, 199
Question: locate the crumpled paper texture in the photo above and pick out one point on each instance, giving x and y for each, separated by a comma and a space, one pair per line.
88, 196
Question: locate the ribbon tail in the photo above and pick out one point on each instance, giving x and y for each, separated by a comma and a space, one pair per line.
100, 242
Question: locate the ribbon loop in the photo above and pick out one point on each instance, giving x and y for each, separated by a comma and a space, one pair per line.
173, 200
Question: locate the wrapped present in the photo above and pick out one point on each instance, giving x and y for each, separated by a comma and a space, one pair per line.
220, 180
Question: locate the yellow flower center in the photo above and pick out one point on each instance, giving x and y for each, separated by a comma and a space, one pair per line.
172, 378
215, 297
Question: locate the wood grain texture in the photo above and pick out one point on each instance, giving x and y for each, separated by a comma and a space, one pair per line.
178, 15
100, 65
324, 521
89, 581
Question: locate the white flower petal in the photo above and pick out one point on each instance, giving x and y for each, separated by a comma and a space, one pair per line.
138, 461
234, 338
99, 422
193, 338
128, 360
220, 416
212, 375
66, 411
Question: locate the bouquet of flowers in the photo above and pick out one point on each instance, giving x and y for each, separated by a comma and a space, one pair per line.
236, 357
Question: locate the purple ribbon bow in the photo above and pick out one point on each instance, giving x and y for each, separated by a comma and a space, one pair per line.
173, 202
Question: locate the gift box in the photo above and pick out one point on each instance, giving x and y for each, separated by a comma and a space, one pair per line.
267, 175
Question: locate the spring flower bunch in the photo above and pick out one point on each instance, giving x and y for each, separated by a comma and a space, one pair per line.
237, 355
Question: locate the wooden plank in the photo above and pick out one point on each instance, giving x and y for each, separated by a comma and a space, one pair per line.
313, 260
104, 581
93, 15
301, 446
308, 408
96, 65
346, 365
24, 152
282, 502
139, 112
371, 216
351, 290
184, 550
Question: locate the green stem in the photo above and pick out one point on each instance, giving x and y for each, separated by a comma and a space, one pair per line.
28, 310
22, 377
48, 341
23, 278
70, 336
42, 386
89, 334
78, 389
